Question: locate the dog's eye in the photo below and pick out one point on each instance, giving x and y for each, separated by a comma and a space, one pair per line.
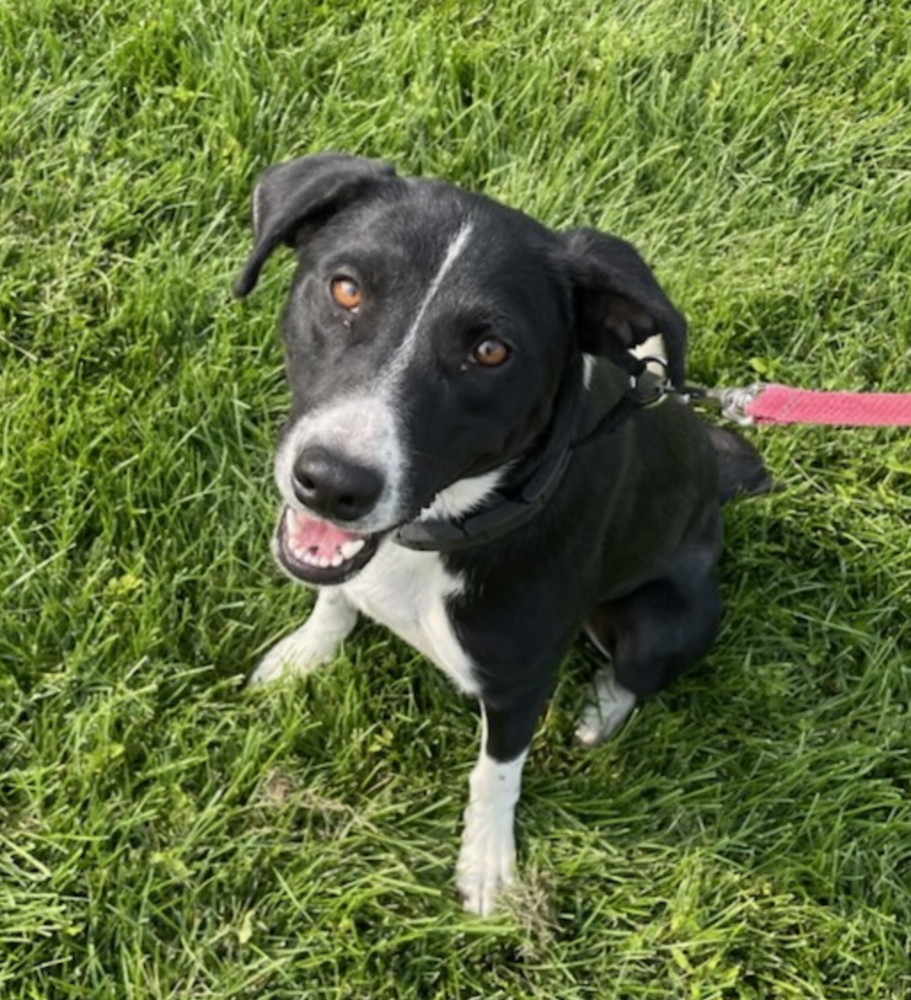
490, 352
346, 292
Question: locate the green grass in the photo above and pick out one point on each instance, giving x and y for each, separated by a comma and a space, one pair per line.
163, 833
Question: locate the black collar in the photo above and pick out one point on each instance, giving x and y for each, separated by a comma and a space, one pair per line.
536, 477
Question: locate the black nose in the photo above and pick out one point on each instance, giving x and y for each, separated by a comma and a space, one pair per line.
333, 487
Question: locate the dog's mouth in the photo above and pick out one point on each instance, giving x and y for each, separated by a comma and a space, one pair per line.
319, 552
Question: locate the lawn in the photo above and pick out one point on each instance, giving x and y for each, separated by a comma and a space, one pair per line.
165, 833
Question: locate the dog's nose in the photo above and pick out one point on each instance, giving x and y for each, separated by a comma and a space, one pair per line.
333, 487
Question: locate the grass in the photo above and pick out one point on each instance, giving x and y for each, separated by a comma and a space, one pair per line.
163, 833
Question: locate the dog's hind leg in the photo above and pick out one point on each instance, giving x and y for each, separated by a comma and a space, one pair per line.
610, 706
316, 641
658, 630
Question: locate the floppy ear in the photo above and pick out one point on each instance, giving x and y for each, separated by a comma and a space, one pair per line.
308, 190
618, 302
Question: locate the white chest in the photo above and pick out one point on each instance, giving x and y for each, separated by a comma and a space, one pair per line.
406, 591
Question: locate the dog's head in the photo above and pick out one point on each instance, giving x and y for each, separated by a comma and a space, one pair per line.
428, 333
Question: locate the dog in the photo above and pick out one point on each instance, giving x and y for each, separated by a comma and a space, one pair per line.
470, 459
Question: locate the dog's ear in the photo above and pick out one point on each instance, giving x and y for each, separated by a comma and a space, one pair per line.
306, 191
618, 302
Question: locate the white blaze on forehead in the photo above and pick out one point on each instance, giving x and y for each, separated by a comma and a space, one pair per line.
453, 251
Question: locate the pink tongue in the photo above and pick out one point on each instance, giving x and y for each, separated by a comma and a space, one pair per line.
319, 537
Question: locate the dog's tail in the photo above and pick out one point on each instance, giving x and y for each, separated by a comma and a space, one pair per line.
740, 469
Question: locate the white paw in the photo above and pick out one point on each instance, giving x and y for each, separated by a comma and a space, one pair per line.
606, 713
293, 656
315, 642
487, 860
593, 728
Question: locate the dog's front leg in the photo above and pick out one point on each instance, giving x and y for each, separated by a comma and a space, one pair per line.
316, 641
487, 857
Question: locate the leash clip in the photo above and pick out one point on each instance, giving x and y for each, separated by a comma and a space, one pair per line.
731, 403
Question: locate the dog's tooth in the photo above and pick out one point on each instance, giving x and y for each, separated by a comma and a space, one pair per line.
337, 560
348, 550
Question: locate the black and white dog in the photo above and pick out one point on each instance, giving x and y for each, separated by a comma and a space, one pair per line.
465, 460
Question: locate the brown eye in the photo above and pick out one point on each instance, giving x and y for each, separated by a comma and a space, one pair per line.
346, 292
490, 352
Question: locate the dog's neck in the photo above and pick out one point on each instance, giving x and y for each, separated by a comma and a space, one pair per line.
529, 485
536, 477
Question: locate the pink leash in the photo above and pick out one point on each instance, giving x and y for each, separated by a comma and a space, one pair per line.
765, 403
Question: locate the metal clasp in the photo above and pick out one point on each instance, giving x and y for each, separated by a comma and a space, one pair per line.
730, 403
